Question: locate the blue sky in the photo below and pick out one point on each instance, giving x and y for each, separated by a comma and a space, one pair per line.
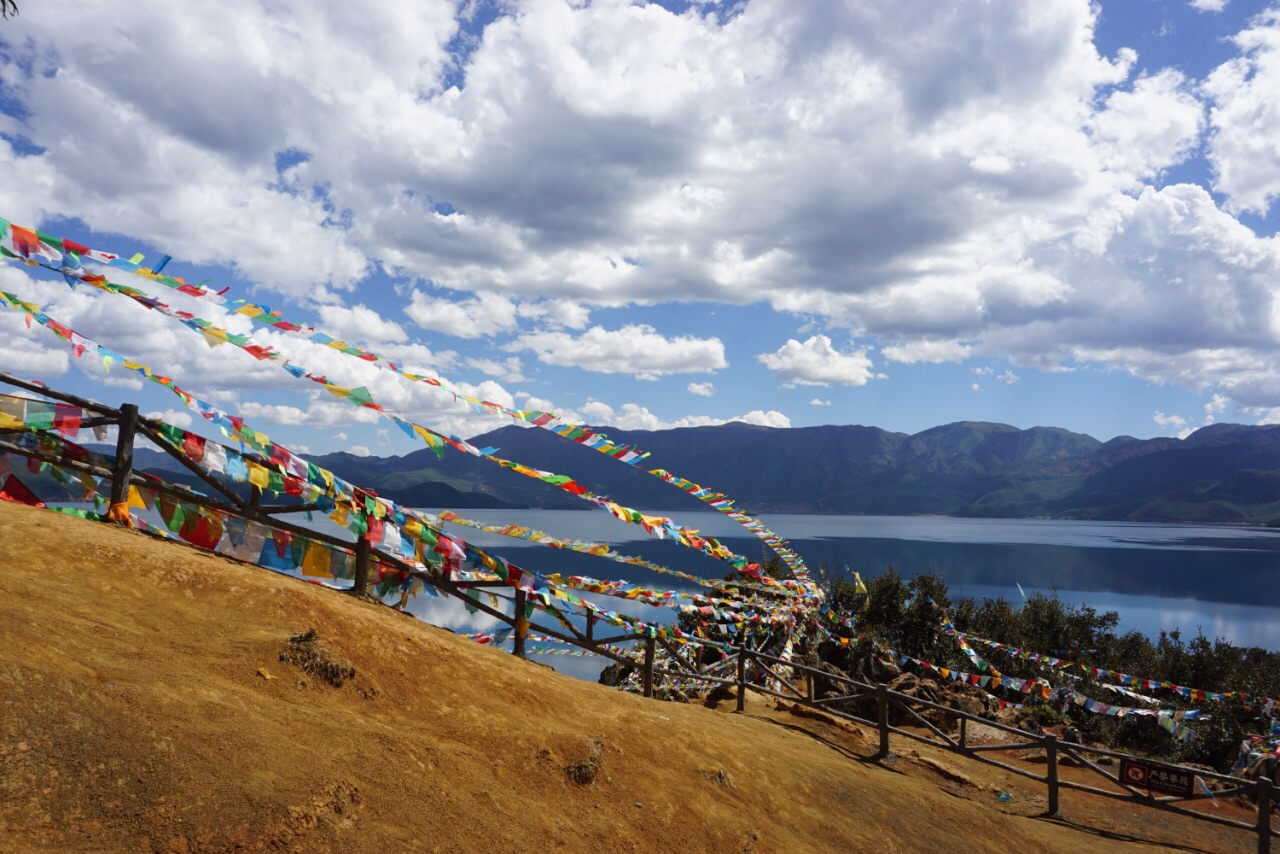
655, 215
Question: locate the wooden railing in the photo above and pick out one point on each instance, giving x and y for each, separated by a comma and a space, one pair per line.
771, 670
121, 471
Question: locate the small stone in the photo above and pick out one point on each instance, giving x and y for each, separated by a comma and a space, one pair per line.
23, 747
639, 805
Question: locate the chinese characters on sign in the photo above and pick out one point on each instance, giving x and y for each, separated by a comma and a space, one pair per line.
1157, 778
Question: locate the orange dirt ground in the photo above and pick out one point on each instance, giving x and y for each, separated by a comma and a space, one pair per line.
136, 714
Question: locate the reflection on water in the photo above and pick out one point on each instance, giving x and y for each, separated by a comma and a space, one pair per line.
1225, 581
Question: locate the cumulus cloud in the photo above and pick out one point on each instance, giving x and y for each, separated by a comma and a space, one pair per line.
509, 370
361, 324
25, 354
632, 416
557, 312
1215, 407
1209, 5
817, 401
636, 349
1154, 125
176, 417
1244, 146
995, 171
816, 362
481, 316
702, 389
1175, 421
912, 352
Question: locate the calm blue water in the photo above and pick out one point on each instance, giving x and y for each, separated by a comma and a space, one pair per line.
1224, 581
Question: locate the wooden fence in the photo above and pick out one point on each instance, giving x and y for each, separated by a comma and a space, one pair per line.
752, 670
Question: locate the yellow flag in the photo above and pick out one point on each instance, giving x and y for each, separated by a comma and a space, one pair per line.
316, 561
258, 475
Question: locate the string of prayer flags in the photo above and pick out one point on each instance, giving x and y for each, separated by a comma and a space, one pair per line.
64, 257
1194, 695
660, 526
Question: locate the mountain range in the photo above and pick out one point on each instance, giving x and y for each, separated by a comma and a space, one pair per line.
1223, 473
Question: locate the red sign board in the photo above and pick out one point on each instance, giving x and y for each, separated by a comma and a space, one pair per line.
1166, 779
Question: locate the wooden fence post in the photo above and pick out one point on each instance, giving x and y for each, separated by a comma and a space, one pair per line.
882, 702
1265, 794
521, 597
1051, 756
123, 471
742, 678
964, 733
649, 645
363, 550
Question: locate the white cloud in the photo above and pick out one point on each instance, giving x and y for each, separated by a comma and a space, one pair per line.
508, 370
1209, 5
636, 349
1154, 125
1215, 407
913, 352
360, 451
557, 312
1175, 421
26, 354
765, 418
702, 389
632, 416
816, 362
992, 169
358, 323
321, 413
1008, 378
481, 316
817, 401
1244, 146
176, 417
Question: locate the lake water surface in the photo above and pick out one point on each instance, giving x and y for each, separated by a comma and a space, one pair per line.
1222, 580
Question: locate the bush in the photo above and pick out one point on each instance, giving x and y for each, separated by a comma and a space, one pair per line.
901, 614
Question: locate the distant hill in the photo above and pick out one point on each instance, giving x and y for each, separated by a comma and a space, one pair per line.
1223, 473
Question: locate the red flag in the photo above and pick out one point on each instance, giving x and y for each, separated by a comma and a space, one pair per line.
14, 490
66, 419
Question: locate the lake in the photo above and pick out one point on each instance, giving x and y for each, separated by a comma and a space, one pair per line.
1222, 580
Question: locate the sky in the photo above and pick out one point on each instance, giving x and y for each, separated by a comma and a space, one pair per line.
653, 215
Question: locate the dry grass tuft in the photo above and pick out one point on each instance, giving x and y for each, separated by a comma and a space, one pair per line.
306, 651
585, 772
720, 778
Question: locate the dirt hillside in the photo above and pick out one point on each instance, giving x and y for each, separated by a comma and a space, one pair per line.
144, 707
